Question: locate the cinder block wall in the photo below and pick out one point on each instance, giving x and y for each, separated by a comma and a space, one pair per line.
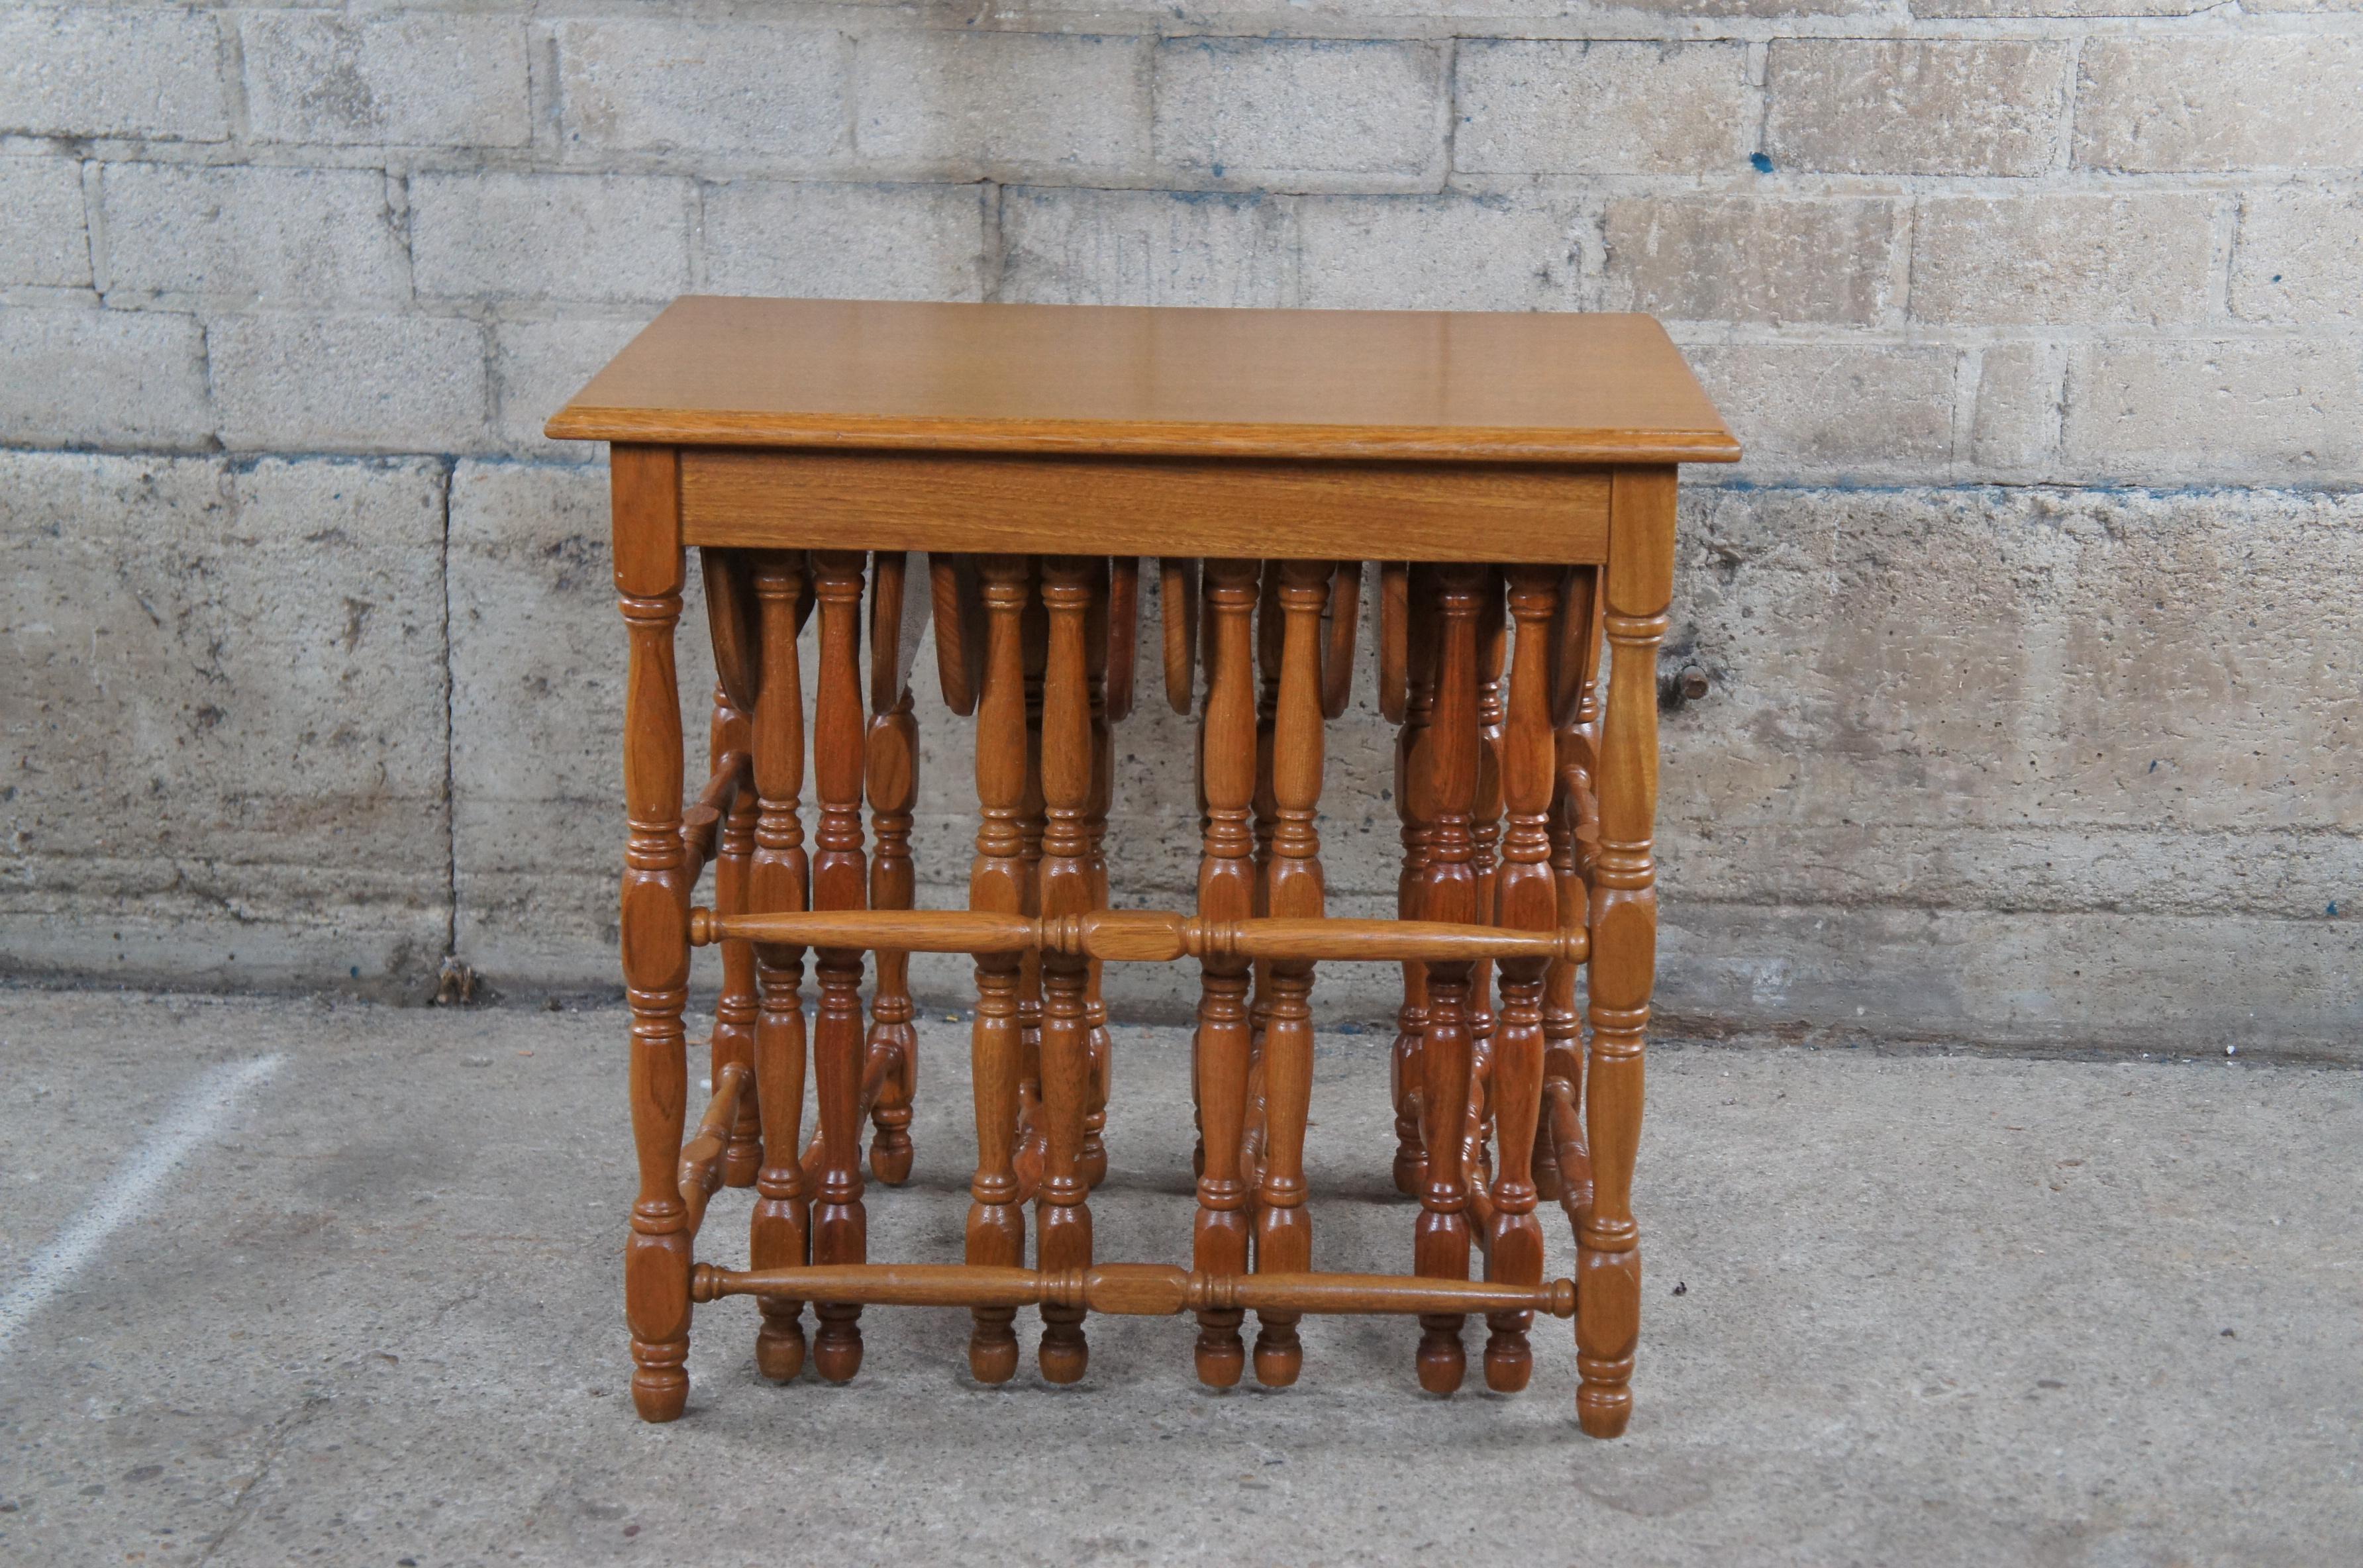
2031, 619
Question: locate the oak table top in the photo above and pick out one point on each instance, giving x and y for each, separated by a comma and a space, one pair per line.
1137, 381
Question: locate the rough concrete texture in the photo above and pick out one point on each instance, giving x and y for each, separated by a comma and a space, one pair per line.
1922, 1309
1917, 254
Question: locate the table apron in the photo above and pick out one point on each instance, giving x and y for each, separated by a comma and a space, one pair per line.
1021, 505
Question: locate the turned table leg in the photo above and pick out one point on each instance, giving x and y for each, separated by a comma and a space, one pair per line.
1095, 823
779, 1231
1624, 944
1227, 761
1573, 815
1292, 890
1447, 780
1064, 1239
1411, 1018
1485, 860
1525, 897
996, 1221
654, 924
839, 882
891, 775
734, 1010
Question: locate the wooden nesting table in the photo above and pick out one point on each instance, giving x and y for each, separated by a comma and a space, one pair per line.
1005, 470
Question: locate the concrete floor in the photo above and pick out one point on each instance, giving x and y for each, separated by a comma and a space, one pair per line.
1920, 1310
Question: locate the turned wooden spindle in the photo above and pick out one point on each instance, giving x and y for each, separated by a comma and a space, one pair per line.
997, 883
654, 918
734, 1010
1446, 777
1065, 888
1032, 1141
1416, 614
1525, 897
901, 606
1292, 889
1143, 936
1270, 632
1226, 762
1575, 718
1133, 1289
1485, 833
1637, 586
890, 772
1111, 621
779, 1234
839, 882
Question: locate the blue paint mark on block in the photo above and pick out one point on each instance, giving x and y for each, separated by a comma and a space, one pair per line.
1762, 162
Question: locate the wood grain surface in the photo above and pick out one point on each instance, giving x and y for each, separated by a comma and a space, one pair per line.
1418, 385
1251, 510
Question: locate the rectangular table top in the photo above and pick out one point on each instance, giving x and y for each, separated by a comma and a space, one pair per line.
1422, 386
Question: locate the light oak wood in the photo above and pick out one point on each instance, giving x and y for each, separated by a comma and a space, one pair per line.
1430, 385
779, 1228
1141, 936
998, 887
1144, 1290
1178, 596
1293, 890
841, 1223
700, 1172
1639, 583
958, 615
1511, 476
731, 742
1222, 1045
933, 501
1444, 780
654, 923
1063, 1237
1525, 897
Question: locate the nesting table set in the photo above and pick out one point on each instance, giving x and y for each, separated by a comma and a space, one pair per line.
1504, 484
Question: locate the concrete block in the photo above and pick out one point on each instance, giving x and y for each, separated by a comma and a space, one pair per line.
1601, 108
103, 378
537, 365
538, 662
1302, 112
2254, 102
2275, 411
2014, 430
226, 703
550, 237
1829, 410
1740, 259
2064, 258
110, 71
371, 383
251, 235
415, 79
1950, 107
1025, 105
2299, 256
1814, 975
1981, 9
1080, 247
816, 240
44, 241
750, 88
1842, 766
1450, 252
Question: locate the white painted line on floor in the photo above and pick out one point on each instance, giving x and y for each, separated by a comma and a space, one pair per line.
123, 1195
